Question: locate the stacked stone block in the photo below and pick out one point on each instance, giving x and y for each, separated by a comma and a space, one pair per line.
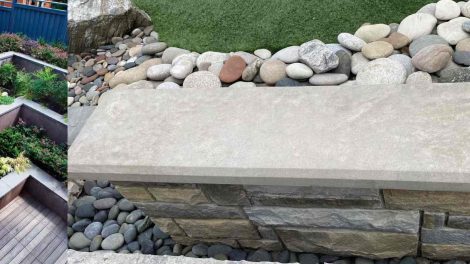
339, 221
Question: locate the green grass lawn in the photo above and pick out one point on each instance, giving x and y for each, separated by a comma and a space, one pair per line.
231, 25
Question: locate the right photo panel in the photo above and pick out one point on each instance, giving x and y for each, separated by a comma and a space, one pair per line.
273, 131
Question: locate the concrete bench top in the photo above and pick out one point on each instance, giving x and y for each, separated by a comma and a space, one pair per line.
399, 136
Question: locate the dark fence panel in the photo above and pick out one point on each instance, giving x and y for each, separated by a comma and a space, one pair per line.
35, 21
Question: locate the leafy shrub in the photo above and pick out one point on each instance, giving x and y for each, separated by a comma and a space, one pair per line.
10, 42
41, 150
8, 74
54, 54
50, 54
19, 164
6, 100
22, 83
47, 88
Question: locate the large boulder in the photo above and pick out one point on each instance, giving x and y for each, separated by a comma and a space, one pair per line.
92, 23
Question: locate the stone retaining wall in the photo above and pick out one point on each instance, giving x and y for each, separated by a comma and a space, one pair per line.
363, 222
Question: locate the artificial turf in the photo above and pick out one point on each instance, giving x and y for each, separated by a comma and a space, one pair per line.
231, 25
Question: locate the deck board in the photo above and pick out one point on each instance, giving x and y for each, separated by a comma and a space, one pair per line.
31, 233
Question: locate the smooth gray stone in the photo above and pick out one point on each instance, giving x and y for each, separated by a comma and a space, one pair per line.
445, 236
93, 230
109, 230
361, 219
350, 150
461, 222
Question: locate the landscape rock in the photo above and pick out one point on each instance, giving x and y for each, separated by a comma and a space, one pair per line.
417, 25
433, 58
447, 10
382, 71
351, 42
288, 55
377, 49
371, 33
272, 71
317, 56
232, 69
328, 79
263, 53
299, 71
452, 31
424, 41
202, 80
159, 72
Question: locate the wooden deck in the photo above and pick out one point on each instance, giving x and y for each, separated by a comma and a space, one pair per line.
31, 233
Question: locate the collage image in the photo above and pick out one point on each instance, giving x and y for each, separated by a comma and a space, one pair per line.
234, 132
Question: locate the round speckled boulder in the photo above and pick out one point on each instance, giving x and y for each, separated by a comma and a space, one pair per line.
382, 71
202, 80
272, 71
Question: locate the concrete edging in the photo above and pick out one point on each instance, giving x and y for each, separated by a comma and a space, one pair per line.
237, 136
103, 257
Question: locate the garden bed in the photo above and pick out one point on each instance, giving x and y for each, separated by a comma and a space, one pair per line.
40, 133
23, 75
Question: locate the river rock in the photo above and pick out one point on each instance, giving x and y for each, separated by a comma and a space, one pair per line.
93, 230
154, 48
425, 41
207, 58
202, 80
419, 77
452, 31
272, 71
405, 61
466, 26
171, 53
462, 57
168, 86
299, 71
382, 71
243, 85
159, 72
287, 82
328, 79
447, 10
428, 9
104, 204
358, 61
135, 74
397, 40
288, 55
246, 56
232, 69
263, 53
318, 56
370, 33
79, 241
455, 75
350, 41
433, 58
113, 242
463, 45
377, 49
417, 25
251, 70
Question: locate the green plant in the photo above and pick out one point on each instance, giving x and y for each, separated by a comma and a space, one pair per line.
41, 150
6, 100
10, 42
22, 83
8, 74
47, 88
19, 164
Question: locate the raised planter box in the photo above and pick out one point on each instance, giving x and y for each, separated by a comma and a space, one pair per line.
373, 171
28, 63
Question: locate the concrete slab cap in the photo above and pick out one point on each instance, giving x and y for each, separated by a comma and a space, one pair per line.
398, 136
103, 257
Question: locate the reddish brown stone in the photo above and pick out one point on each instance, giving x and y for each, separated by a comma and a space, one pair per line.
100, 58
232, 69
89, 79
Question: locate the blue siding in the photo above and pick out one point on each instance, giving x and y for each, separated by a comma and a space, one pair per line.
35, 22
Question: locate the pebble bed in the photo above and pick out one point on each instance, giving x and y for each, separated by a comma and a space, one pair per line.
100, 219
432, 45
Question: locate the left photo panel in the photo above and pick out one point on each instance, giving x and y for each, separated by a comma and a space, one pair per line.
33, 131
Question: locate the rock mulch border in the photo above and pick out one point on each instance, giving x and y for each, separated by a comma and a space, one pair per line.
432, 45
